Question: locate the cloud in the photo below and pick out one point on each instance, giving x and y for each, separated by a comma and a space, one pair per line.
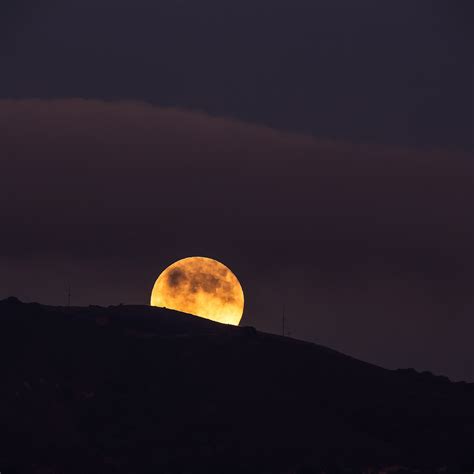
92, 165
97, 183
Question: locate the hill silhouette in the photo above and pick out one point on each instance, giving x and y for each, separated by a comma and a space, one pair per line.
135, 389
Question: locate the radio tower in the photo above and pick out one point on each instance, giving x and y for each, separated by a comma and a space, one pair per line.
69, 295
283, 321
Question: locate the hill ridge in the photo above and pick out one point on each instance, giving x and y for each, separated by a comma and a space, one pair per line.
140, 389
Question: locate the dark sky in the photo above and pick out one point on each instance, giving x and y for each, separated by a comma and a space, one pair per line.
367, 70
321, 150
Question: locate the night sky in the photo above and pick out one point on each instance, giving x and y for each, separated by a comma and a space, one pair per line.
322, 150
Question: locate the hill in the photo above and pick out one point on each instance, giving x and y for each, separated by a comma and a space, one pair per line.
135, 389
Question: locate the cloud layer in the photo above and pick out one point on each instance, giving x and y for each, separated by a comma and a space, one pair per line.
371, 246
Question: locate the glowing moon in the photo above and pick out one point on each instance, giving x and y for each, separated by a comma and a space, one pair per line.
200, 286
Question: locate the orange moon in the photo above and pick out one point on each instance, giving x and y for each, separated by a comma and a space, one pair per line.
202, 287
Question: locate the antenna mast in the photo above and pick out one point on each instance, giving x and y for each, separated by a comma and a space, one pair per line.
283, 321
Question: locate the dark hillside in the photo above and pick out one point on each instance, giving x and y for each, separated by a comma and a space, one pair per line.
130, 389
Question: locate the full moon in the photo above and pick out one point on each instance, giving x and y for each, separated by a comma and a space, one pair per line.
202, 287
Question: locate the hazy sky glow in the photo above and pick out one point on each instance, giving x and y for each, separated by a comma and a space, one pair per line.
370, 246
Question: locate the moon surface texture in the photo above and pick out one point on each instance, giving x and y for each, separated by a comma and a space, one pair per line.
202, 287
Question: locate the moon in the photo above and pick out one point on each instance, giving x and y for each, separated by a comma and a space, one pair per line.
202, 287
